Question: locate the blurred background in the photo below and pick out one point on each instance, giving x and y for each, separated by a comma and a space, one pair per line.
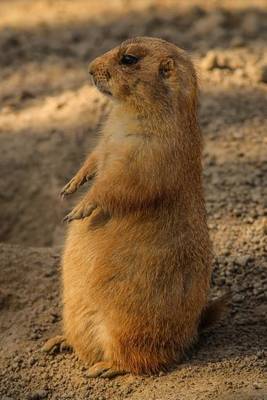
49, 119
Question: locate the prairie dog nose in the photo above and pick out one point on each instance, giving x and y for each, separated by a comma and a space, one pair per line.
92, 72
91, 69
98, 67
94, 66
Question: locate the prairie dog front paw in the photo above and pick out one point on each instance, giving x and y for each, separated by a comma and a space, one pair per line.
82, 210
73, 185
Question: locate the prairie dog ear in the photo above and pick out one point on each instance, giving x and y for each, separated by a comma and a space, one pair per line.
166, 67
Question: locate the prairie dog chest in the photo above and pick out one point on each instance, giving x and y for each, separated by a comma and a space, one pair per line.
121, 141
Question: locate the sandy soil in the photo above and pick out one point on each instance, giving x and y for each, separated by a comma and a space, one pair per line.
49, 118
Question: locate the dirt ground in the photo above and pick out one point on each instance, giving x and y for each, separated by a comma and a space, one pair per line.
49, 118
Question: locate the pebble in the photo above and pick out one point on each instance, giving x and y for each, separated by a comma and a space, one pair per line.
238, 298
256, 385
258, 73
32, 361
261, 354
209, 61
262, 74
238, 135
38, 395
242, 260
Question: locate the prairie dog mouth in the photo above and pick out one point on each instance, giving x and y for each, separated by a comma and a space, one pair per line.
104, 90
100, 87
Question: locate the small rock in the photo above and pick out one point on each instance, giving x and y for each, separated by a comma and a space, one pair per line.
258, 73
256, 385
242, 260
38, 395
238, 298
240, 73
210, 61
260, 354
26, 94
54, 317
32, 361
238, 135
263, 73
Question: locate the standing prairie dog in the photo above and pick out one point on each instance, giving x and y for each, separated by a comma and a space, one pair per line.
137, 259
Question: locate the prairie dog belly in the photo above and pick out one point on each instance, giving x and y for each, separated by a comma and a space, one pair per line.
121, 265
112, 255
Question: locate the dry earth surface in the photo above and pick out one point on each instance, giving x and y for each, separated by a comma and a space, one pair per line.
49, 118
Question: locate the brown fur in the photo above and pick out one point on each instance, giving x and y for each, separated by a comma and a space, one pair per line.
136, 272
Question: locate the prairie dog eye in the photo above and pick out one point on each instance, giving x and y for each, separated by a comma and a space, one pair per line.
128, 59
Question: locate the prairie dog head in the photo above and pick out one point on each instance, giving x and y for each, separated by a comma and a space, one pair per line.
146, 73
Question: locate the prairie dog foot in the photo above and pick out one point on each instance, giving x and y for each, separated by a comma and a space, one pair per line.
82, 210
104, 369
57, 343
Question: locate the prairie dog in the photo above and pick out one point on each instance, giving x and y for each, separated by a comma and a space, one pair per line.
137, 259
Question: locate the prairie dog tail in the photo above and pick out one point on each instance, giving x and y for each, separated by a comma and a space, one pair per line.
214, 311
